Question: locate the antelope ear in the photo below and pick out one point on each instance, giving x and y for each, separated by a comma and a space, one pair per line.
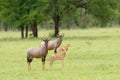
49, 39
43, 39
68, 45
62, 49
58, 35
62, 34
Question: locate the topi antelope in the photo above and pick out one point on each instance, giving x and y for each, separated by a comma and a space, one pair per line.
55, 43
60, 55
38, 52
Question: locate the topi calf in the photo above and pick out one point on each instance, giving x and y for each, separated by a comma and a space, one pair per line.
60, 55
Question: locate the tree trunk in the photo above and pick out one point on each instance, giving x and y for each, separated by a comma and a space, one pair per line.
46, 22
34, 29
5, 27
76, 22
68, 25
56, 20
119, 21
22, 31
111, 23
26, 34
83, 18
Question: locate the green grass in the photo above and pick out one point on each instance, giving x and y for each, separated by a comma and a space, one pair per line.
94, 55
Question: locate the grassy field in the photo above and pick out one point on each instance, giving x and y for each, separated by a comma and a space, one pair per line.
94, 55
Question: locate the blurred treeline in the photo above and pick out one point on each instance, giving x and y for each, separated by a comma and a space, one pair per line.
31, 15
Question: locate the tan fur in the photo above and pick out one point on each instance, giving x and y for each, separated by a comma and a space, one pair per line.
60, 55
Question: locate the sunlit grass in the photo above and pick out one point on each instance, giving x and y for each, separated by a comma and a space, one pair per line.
94, 55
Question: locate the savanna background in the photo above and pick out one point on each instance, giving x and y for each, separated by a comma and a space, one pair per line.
91, 27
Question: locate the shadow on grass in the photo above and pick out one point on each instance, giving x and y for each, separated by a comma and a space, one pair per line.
91, 37
66, 38
18, 39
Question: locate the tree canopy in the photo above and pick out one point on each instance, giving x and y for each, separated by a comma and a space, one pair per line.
19, 13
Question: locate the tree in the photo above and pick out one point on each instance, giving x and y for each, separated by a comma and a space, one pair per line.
34, 14
11, 12
22, 13
58, 9
5, 25
104, 11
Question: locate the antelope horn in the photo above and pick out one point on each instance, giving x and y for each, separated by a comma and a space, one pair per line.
62, 34
43, 38
48, 38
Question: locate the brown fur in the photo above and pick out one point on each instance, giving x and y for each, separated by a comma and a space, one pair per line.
38, 52
60, 55
55, 43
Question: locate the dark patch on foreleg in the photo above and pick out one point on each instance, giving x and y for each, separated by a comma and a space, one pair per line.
29, 60
43, 61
